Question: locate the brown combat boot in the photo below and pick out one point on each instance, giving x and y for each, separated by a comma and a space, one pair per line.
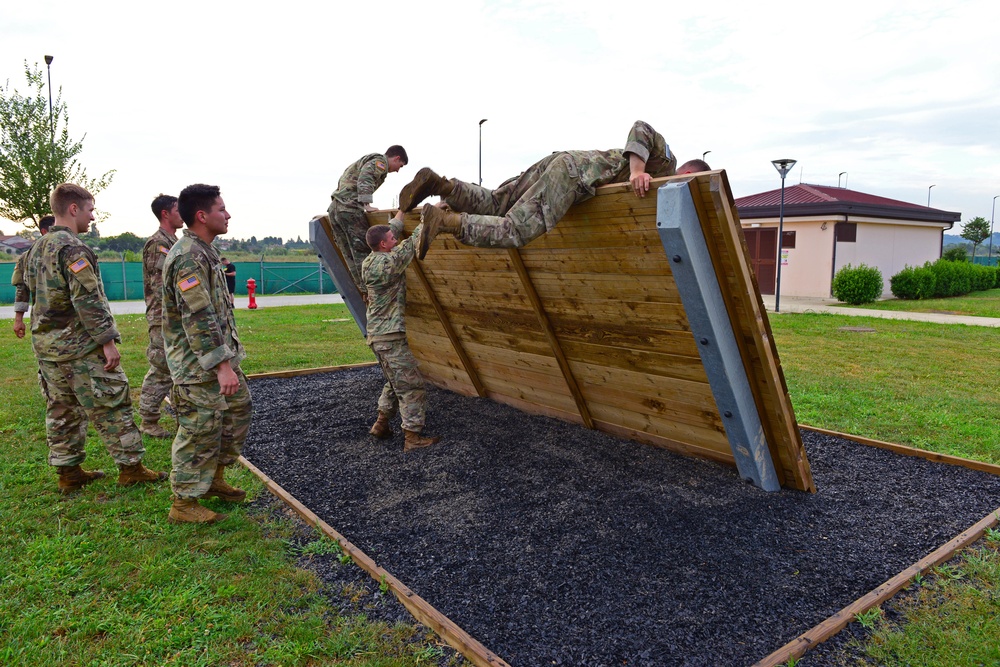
381, 429
138, 474
189, 510
223, 491
435, 221
154, 430
424, 184
414, 440
74, 478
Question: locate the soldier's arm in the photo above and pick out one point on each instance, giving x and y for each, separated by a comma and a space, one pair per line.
370, 177
396, 224
21, 296
401, 256
201, 324
78, 264
645, 145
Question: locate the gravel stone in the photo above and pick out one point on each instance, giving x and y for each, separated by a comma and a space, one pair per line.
556, 545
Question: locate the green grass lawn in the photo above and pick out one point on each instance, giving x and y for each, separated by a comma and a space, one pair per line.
100, 577
977, 304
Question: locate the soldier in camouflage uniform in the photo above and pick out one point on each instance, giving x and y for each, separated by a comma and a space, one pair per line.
73, 335
530, 204
210, 393
21, 294
353, 197
157, 383
385, 281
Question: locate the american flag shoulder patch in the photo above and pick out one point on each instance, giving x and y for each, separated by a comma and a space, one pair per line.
164, 250
79, 265
380, 165
187, 283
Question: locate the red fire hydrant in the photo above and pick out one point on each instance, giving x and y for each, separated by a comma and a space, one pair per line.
251, 288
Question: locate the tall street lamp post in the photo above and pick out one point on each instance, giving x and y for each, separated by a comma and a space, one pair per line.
783, 167
704, 154
481, 151
929, 196
843, 173
52, 127
990, 254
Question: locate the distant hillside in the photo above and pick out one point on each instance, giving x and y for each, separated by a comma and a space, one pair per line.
955, 239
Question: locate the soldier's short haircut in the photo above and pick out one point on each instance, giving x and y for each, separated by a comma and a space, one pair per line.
694, 167
197, 197
397, 151
376, 235
67, 194
46, 222
162, 203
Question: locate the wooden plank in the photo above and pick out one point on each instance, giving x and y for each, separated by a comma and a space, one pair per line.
796, 648
706, 439
420, 609
550, 336
308, 371
470, 369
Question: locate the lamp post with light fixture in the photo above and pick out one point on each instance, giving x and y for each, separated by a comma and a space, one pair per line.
989, 256
929, 195
843, 173
783, 166
481, 150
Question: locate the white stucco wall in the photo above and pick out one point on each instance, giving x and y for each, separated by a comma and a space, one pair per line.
890, 248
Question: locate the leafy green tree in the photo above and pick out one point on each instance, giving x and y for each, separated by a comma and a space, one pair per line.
123, 243
37, 154
976, 231
955, 253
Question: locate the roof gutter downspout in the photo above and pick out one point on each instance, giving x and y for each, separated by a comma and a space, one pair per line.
941, 244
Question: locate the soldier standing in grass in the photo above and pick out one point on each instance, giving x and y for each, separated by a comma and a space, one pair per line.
524, 207
21, 295
157, 383
210, 392
73, 334
353, 197
384, 273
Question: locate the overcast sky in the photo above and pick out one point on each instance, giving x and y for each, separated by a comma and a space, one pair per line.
272, 101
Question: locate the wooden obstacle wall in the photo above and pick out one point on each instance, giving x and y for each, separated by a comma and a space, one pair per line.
587, 324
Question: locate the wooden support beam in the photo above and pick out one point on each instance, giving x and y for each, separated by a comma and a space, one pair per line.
419, 608
550, 335
449, 329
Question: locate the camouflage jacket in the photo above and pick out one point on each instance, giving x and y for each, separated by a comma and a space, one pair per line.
199, 330
22, 296
70, 314
154, 254
384, 276
603, 167
361, 180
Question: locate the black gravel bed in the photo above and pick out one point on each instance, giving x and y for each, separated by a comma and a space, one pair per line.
556, 545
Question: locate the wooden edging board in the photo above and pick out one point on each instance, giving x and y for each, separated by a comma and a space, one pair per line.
476, 653
419, 608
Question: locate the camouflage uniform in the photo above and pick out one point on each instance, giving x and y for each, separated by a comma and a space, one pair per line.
71, 321
385, 280
199, 333
347, 210
526, 206
157, 383
21, 294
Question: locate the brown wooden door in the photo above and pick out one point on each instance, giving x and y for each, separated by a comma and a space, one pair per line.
763, 246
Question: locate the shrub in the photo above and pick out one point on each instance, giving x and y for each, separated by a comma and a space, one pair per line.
955, 254
913, 282
862, 284
953, 278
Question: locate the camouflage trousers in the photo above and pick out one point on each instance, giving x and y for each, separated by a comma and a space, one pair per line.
81, 389
211, 431
157, 383
404, 386
350, 225
522, 208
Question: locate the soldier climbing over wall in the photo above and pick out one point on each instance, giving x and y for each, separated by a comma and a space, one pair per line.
353, 198
524, 207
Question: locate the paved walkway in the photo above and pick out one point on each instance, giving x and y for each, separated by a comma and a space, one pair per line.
788, 305
139, 307
815, 305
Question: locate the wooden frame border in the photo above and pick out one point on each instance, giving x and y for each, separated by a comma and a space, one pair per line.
480, 656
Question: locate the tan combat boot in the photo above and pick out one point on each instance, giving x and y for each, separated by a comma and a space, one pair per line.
436, 220
74, 478
138, 474
154, 430
223, 491
424, 184
189, 510
414, 440
381, 429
